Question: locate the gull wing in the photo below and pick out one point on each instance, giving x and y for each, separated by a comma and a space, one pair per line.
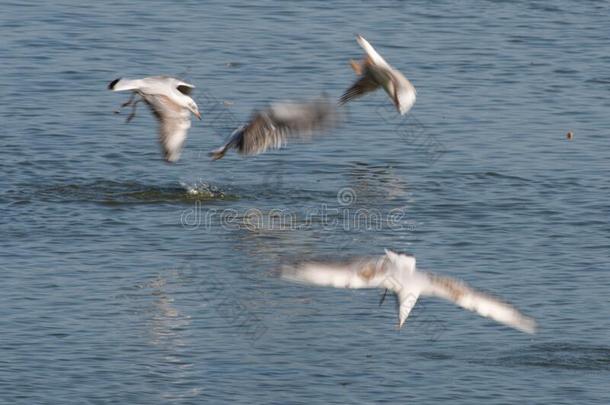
485, 305
174, 122
183, 87
122, 84
404, 92
164, 85
363, 85
372, 53
275, 126
364, 273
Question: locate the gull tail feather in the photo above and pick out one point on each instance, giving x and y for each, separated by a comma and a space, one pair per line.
406, 301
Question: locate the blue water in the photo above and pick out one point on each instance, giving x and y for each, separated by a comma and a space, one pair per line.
127, 280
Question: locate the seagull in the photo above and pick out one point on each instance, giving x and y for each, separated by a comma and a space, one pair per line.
396, 272
169, 100
273, 127
374, 72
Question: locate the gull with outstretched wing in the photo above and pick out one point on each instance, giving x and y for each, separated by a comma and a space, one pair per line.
397, 273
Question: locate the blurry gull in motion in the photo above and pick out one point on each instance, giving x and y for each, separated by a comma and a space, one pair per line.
273, 127
169, 100
396, 272
375, 72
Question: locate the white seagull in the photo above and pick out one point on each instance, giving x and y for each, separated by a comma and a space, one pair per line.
274, 126
169, 100
396, 272
375, 72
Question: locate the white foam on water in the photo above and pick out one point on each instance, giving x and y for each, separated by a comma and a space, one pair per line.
202, 189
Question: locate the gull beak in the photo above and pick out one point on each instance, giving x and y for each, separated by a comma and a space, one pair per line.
197, 114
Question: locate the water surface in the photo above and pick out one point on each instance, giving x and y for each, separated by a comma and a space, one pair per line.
117, 288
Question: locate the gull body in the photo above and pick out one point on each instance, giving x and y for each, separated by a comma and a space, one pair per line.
397, 273
273, 127
169, 100
375, 72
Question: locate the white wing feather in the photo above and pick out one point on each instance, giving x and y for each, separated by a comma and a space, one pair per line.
174, 122
371, 52
356, 274
485, 305
125, 84
405, 92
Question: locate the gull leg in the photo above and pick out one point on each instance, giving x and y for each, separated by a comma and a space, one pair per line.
397, 304
126, 103
130, 101
133, 110
383, 296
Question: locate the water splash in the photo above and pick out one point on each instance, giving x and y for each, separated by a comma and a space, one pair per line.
116, 193
203, 190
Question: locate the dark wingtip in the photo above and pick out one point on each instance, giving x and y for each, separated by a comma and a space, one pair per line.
113, 83
217, 154
345, 97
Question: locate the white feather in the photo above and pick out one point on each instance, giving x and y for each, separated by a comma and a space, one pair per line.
371, 52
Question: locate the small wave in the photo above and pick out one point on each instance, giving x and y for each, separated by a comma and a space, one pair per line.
598, 80
567, 356
110, 192
501, 176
